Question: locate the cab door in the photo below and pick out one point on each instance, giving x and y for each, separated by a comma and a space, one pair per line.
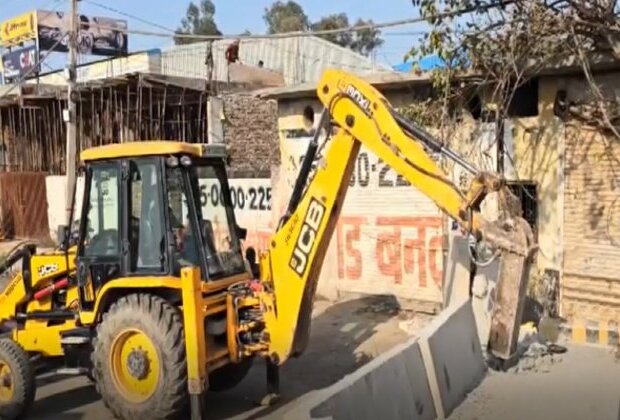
100, 248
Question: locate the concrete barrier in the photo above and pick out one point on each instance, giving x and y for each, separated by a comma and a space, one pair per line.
424, 378
393, 386
453, 357
456, 274
483, 298
389, 388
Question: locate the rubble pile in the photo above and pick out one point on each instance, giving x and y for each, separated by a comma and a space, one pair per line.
536, 353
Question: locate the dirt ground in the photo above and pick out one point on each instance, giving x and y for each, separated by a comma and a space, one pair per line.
583, 383
344, 336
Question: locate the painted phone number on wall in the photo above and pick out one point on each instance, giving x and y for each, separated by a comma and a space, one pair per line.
243, 198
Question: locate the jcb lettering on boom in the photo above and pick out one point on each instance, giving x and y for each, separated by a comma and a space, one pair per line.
359, 98
307, 236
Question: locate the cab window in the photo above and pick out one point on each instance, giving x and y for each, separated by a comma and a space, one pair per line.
146, 217
186, 242
102, 218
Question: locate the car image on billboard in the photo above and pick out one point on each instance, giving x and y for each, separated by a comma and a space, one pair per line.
97, 35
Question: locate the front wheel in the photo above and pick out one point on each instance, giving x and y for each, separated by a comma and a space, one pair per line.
139, 363
17, 381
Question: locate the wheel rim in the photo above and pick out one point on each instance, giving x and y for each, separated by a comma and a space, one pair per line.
6, 383
135, 365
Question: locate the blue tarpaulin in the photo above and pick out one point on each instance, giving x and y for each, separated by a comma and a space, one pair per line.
427, 63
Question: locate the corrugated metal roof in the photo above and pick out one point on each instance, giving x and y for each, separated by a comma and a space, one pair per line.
299, 59
382, 81
140, 62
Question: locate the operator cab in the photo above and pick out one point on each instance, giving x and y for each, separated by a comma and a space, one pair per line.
151, 208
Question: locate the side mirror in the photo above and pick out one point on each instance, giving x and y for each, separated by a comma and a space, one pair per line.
242, 233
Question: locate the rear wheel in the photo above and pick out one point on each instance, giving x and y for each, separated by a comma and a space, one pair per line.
139, 362
17, 381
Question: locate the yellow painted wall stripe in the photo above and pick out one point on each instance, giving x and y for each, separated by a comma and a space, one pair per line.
600, 333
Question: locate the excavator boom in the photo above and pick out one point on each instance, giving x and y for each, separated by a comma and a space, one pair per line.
357, 114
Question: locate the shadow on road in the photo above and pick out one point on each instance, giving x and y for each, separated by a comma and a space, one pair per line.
344, 337
56, 406
341, 341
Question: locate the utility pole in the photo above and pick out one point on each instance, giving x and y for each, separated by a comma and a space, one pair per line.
209, 64
70, 115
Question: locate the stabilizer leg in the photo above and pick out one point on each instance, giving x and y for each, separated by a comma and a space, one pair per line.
273, 384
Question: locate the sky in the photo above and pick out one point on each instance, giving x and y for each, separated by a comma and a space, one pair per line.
235, 16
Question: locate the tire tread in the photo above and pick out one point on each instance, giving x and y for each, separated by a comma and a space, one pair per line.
163, 323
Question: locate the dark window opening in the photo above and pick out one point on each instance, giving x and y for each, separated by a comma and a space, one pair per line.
524, 102
528, 194
308, 117
474, 107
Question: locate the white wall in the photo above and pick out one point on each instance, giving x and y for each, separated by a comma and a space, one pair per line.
389, 238
55, 186
252, 203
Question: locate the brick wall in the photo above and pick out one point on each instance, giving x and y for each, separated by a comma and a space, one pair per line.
591, 279
251, 130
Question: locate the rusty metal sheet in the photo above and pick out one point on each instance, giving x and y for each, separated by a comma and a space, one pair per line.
23, 205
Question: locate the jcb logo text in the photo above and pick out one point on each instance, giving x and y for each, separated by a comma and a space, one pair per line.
307, 237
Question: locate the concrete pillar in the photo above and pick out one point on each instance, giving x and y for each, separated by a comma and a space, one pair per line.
215, 117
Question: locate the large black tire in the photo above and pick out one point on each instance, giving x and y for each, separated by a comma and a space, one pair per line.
162, 324
22, 379
229, 376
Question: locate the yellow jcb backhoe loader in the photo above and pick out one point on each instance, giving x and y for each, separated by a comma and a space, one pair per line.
151, 296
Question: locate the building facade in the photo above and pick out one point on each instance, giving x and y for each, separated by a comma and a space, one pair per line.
391, 238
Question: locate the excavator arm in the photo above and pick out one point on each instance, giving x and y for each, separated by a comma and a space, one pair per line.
357, 114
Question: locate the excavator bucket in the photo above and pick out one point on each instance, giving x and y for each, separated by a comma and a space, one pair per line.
510, 293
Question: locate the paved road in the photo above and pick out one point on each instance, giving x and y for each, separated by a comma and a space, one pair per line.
585, 384
344, 336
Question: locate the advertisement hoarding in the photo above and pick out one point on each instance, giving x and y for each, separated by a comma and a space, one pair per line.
18, 63
97, 36
18, 29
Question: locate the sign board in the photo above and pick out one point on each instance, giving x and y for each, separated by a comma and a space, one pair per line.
18, 63
97, 35
18, 29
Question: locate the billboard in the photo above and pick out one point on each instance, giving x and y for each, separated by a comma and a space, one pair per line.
18, 29
97, 35
17, 63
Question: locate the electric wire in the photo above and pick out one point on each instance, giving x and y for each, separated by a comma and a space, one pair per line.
355, 28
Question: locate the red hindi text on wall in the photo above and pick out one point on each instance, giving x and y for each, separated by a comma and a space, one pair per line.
401, 249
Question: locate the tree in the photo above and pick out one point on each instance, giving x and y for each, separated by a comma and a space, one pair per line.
199, 20
290, 17
285, 17
366, 40
363, 41
335, 21
508, 42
